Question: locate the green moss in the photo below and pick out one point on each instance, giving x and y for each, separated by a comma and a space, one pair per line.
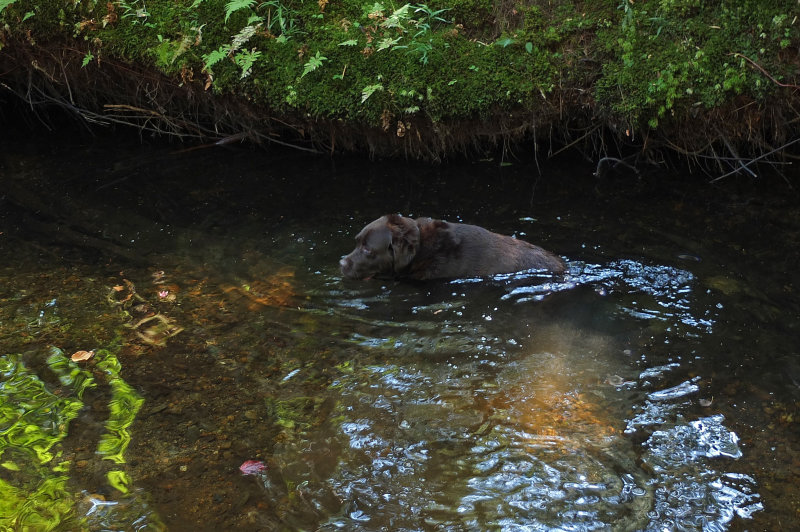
643, 62
670, 63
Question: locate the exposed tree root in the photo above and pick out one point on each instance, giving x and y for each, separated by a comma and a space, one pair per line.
722, 141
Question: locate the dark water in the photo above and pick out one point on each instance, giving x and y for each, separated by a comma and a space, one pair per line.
653, 388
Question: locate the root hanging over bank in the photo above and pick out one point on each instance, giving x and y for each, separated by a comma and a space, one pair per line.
739, 138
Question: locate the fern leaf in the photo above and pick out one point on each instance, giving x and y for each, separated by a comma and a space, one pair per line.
215, 57
245, 60
313, 63
243, 36
369, 90
235, 5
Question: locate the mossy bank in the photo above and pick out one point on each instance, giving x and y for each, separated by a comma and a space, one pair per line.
426, 81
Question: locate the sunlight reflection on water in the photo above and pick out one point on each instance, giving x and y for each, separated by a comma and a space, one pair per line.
524, 435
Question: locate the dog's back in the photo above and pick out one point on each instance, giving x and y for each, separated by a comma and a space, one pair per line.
455, 250
425, 248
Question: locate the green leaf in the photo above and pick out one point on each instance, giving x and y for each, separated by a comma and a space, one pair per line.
505, 41
375, 9
245, 60
215, 57
349, 42
529, 47
369, 90
62, 467
398, 18
313, 63
5, 3
291, 95
87, 59
235, 5
387, 43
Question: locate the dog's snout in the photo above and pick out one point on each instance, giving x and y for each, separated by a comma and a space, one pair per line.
346, 265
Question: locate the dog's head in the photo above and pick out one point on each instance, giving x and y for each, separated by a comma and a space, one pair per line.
384, 248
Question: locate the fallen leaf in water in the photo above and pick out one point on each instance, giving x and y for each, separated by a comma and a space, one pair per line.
705, 402
252, 467
276, 290
119, 288
168, 292
159, 328
80, 356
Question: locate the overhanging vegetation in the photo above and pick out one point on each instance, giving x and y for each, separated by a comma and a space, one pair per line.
705, 79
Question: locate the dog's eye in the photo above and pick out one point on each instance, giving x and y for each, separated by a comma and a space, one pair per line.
366, 251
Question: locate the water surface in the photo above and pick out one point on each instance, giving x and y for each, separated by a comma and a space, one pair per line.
654, 387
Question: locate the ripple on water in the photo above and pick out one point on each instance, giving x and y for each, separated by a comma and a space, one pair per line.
453, 420
691, 492
668, 290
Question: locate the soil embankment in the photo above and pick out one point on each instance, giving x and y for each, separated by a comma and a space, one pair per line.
714, 83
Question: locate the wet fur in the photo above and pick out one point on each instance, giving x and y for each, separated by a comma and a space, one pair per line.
400, 247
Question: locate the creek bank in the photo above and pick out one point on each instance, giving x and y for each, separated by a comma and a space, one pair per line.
713, 83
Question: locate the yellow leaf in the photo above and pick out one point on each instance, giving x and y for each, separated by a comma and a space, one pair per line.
79, 356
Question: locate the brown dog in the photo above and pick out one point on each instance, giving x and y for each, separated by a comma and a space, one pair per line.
396, 246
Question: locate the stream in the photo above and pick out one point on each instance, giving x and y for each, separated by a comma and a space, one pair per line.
239, 383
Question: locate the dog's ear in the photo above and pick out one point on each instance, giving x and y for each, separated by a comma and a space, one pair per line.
380, 239
405, 240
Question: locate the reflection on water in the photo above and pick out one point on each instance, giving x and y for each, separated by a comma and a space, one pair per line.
500, 418
610, 398
691, 492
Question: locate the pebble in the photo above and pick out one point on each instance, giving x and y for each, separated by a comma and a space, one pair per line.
159, 408
192, 434
175, 410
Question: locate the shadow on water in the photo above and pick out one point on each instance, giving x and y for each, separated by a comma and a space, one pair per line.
638, 392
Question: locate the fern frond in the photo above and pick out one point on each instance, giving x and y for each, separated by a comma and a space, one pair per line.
243, 36
235, 5
215, 57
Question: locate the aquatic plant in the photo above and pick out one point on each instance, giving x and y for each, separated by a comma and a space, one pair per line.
34, 420
123, 407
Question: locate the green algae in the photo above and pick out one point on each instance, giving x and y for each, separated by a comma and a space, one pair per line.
35, 420
123, 407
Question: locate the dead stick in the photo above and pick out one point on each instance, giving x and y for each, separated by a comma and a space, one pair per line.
737, 170
763, 71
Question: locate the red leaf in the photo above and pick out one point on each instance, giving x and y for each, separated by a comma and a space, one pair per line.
252, 467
